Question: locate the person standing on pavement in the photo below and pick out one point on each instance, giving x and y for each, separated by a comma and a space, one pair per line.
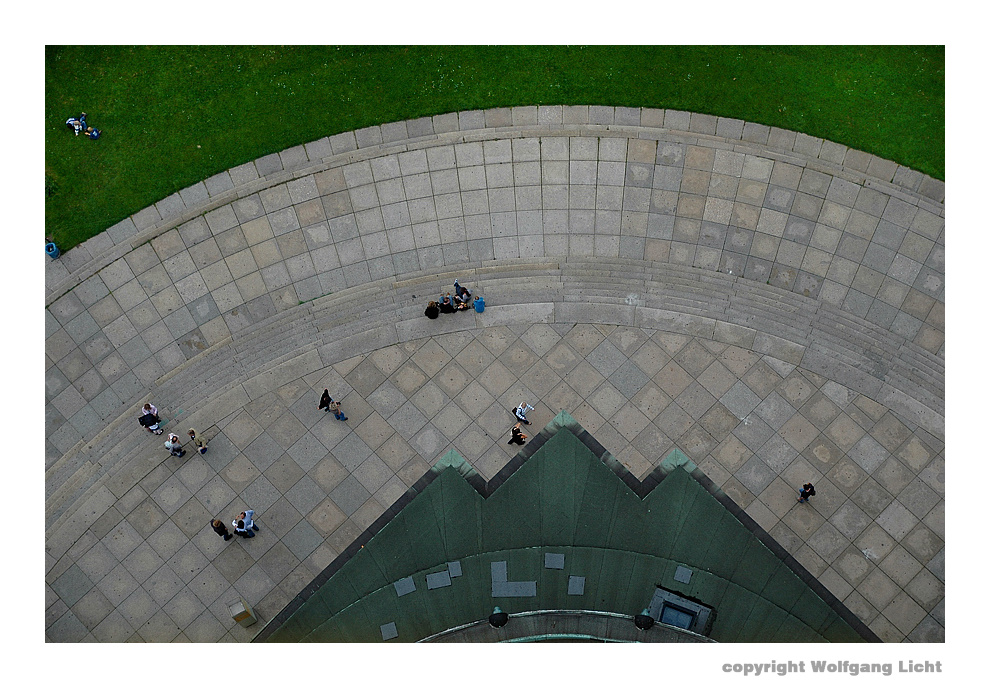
244, 524
325, 401
174, 446
335, 409
149, 419
220, 529
199, 444
806, 492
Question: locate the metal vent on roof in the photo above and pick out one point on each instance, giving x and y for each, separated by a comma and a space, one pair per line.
404, 586
440, 579
389, 631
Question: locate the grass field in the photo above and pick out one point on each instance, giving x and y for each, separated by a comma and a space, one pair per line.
175, 115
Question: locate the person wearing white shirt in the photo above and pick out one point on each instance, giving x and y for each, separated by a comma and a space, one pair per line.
521, 411
244, 524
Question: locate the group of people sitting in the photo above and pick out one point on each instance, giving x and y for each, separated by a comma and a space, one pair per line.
79, 126
461, 300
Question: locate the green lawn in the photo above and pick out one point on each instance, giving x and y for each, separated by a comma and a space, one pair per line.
175, 115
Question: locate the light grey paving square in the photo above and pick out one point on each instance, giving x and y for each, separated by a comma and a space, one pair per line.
755, 475
553, 560
682, 574
777, 453
264, 451
575, 585
628, 378
351, 452
305, 495
143, 562
740, 400
606, 358
307, 451
118, 585
407, 420
260, 495
350, 495
868, 453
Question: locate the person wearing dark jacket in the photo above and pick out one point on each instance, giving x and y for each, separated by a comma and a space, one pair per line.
807, 491
517, 435
325, 401
220, 529
446, 304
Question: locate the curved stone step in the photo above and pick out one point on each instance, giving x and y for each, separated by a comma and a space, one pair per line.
684, 299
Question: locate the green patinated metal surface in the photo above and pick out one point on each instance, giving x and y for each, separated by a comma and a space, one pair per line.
565, 499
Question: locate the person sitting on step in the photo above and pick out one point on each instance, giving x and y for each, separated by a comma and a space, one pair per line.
446, 303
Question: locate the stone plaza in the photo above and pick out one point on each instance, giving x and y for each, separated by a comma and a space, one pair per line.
769, 303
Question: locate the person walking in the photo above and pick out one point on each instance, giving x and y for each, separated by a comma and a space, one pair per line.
806, 492
521, 410
244, 524
335, 409
517, 435
198, 443
220, 529
325, 401
174, 446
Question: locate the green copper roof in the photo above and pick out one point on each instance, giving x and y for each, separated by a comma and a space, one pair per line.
453, 532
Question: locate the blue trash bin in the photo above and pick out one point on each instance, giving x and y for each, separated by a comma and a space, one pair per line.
479, 305
52, 250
